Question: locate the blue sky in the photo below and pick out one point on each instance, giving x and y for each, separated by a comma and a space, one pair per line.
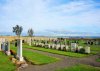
53, 15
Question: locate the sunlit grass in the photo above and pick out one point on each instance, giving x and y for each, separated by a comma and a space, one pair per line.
79, 67
5, 63
36, 58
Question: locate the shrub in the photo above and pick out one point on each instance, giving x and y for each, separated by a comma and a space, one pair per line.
82, 50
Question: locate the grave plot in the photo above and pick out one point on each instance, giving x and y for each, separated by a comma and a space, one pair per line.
36, 58
61, 45
5, 45
71, 54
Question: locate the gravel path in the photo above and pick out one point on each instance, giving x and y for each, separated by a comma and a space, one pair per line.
64, 62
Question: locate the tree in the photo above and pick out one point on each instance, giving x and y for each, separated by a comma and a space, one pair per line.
30, 33
17, 30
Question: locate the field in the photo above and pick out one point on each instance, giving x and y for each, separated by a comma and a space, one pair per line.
5, 63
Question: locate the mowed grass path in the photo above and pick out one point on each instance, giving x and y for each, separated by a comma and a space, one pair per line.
71, 54
79, 67
5, 63
36, 58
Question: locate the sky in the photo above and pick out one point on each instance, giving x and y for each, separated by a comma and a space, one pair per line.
51, 16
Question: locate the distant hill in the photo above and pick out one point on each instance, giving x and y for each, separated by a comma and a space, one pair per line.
57, 34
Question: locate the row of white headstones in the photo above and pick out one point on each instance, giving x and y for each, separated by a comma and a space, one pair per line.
5, 44
73, 46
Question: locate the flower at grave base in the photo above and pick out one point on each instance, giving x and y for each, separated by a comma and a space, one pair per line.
12, 52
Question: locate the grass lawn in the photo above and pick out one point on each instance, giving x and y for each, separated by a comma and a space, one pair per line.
36, 58
5, 63
79, 67
98, 60
95, 49
71, 54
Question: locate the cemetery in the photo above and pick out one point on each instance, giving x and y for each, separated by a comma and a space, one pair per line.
61, 45
23, 52
49, 35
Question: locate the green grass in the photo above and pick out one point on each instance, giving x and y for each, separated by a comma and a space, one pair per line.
71, 54
5, 63
98, 60
95, 49
36, 58
79, 67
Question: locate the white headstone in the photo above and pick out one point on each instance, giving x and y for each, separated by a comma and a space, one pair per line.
62, 47
53, 46
57, 46
87, 49
66, 47
73, 47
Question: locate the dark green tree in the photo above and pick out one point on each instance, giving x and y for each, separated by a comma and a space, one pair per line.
17, 30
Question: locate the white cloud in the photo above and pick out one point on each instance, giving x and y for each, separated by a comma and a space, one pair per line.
72, 16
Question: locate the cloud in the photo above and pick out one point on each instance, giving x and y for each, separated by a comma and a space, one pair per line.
41, 15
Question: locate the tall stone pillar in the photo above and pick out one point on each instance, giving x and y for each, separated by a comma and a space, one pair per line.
18, 48
20, 51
